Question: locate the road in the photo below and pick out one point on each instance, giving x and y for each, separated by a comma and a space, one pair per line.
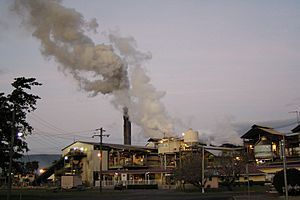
40, 194
151, 195
115, 195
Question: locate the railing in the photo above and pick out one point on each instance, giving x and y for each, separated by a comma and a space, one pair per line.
117, 166
129, 182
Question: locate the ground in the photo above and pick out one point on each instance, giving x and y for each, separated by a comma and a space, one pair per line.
46, 194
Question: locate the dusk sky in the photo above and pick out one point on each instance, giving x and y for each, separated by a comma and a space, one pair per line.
222, 65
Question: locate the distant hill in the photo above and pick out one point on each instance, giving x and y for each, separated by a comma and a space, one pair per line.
45, 160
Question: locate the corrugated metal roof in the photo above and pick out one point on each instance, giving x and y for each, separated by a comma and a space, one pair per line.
214, 152
116, 146
296, 129
257, 130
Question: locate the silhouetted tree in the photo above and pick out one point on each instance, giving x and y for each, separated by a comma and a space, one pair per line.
293, 181
13, 110
229, 166
189, 169
31, 167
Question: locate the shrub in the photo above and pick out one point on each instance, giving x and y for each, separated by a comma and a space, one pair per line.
155, 186
293, 181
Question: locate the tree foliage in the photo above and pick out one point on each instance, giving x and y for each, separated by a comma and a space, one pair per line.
229, 166
31, 167
293, 181
189, 169
13, 110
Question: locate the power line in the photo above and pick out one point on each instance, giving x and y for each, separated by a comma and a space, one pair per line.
61, 136
48, 138
45, 142
45, 123
58, 130
285, 125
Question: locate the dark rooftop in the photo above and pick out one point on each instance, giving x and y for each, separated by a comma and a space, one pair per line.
257, 130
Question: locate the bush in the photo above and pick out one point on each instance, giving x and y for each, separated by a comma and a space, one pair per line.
293, 181
155, 186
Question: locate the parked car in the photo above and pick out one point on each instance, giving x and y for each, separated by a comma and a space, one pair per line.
119, 186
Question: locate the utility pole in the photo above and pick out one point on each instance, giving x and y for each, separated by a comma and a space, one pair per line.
284, 168
11, 152
202, 171
100, 135
248, 182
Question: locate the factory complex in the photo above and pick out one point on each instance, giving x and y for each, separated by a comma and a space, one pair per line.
104, 165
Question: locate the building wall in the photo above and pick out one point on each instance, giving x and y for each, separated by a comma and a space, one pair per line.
91, 162
70, 181
79, 145
254, 178
169, 146
212, 182
274, 170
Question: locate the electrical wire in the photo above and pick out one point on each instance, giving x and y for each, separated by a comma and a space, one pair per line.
286, 125
45, 123
58, 131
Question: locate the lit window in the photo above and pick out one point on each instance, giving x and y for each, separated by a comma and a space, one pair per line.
274, 147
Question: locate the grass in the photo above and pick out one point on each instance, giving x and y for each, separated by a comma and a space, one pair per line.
235, 189
49, 194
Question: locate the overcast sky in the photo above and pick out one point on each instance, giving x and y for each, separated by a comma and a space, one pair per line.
221, 63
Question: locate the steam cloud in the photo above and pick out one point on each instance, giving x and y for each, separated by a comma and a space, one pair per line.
98, 68
225, 131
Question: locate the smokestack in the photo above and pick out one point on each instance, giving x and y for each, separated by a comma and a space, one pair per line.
127, 127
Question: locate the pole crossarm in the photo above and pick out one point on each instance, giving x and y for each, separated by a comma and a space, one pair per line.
100, 135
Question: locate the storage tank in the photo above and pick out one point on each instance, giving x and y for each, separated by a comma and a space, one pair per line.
190, 136
263, 150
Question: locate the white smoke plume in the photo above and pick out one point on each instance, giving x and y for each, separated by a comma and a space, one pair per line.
143, 100
61, 33
223, 132
98, 68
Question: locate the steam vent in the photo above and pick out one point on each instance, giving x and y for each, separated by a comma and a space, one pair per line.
127, 127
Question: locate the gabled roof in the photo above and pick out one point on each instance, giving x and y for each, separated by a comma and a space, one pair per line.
214, 152
259, 130
296, 129
154, 140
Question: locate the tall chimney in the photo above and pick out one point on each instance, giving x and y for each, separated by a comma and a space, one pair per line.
127, 127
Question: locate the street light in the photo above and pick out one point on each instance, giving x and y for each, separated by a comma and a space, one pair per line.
20, 134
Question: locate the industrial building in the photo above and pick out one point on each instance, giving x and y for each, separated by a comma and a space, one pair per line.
154, 164
149, 165
120, 163
266, 147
